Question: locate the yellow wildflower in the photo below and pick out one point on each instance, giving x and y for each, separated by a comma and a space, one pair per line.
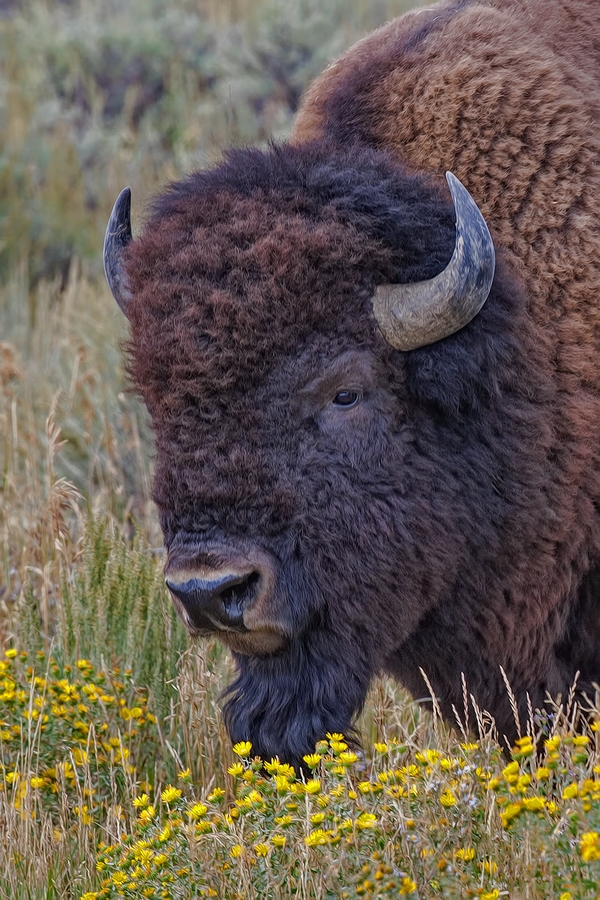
261, 849
570, 791
11, 653
313, 786
237, 770
316, 837
185, 775
236, 851
284, 821
588, 846
407, 886
282, 785
448, 799
347, 758
242, 748
509, 812
146, 815
170, 794
381, 748
278, 840
511, 771
366, 820
312, 760
197, 811
80, 756
534, 804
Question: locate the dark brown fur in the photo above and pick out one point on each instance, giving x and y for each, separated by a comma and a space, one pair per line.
450, 521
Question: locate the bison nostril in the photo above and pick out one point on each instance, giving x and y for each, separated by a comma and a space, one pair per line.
217, 602
234, 596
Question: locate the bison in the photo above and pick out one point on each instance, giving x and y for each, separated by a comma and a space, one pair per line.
378, 450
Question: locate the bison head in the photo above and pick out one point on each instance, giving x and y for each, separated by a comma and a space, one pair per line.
327, 486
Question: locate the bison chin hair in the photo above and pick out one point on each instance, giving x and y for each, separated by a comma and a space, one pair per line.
287, 702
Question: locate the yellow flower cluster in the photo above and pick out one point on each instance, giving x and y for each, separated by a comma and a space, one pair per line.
274, 808
533, 789
269, 816
589, 846
86, 723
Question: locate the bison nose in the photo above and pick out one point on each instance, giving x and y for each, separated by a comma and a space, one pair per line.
216, 602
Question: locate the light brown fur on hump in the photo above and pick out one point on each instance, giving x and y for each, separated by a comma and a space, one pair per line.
506, 94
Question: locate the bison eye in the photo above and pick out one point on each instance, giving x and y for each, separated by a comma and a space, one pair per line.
346, 399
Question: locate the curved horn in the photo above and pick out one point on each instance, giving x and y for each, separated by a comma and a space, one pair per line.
118, 235
413, 315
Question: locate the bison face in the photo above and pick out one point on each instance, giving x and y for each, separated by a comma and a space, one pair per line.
331, 424
320, 492
297, 546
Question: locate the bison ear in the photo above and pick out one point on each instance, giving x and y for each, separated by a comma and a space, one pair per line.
116, 239
421, 313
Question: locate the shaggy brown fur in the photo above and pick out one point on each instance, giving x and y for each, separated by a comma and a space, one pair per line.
450, 520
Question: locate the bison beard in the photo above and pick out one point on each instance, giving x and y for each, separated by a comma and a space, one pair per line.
285, 703
345, 503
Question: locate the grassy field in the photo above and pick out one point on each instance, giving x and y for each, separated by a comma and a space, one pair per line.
116, 775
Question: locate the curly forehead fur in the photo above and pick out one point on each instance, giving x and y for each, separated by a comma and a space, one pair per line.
239, 265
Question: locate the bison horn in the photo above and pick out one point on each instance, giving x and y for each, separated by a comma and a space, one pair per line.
118, 235
413, 315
